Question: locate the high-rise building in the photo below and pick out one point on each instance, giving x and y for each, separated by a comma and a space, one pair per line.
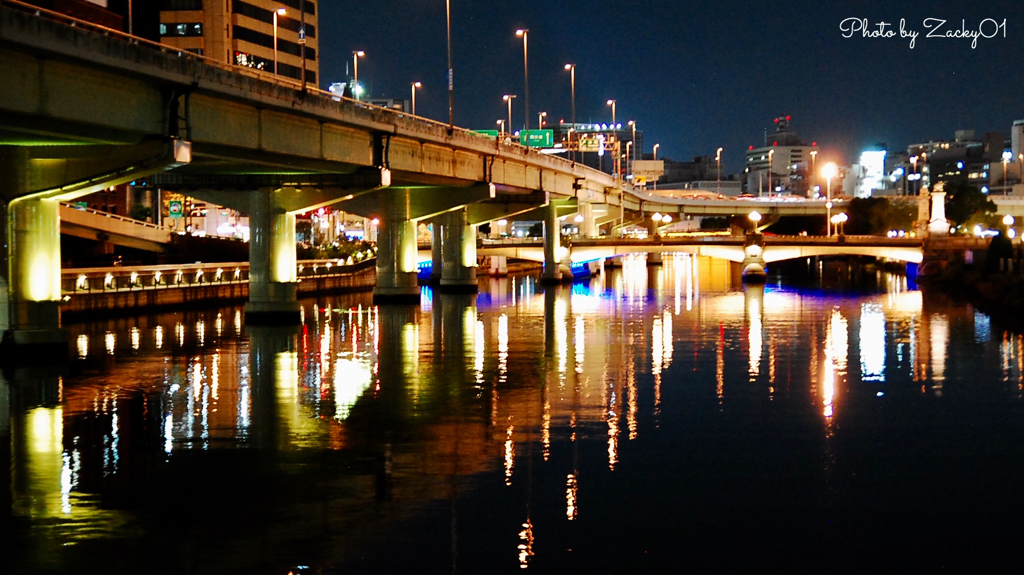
244, 33
1017, 139
781, 165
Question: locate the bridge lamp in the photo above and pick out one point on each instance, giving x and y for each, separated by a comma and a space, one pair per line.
829, 171
612, 104
578, 219
755, 217
838, 220
508, 99
279, 12
666, 219
656, 217
1008, 220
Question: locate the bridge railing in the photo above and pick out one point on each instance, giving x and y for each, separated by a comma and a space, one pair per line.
138, 278
131, 221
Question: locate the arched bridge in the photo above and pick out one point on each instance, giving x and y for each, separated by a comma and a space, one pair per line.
732, 248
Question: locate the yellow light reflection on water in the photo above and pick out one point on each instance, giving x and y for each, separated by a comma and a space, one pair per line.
136, 338
754, 337
510, 453
110, 341
353, 375
158, 336
83, 346
526, 545
571, 493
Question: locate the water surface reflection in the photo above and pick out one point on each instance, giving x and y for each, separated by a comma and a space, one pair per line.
651, 410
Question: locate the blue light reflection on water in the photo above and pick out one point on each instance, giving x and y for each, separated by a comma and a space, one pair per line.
538, 417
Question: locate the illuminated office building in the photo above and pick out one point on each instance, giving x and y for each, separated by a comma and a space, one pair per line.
243, 33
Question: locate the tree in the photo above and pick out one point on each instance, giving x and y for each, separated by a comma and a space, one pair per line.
876, 216
966, 206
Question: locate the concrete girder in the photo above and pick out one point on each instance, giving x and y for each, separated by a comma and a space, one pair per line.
503, 206
563, 207
69, 172
423, 203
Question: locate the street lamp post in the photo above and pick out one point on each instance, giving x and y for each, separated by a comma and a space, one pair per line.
770, 154
1006, 174
632, 124
810, 184
414, 86
451, 79
718, 160
501, 132
540, 119
526, 82
913, 164
508, 99
1020, 162
656, 146
356, 55
572, 130
829, 172
629, 163
278, 12
615, 165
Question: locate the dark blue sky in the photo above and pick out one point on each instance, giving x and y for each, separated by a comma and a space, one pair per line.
695, 75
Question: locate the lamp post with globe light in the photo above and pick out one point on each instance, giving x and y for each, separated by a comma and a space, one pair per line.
829, 171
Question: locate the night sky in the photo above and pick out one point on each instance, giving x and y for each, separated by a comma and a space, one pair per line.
695, 75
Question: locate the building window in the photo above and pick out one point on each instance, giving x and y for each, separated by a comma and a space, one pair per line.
174, 5
285, 22
267, 41
250, 61
188, 29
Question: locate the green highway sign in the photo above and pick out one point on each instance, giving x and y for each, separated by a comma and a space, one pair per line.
590, 145
491, 133
175, 208
538, 138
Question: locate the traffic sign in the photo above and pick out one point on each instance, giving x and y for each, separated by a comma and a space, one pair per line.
538, 138
176, 208
590, 145
302, 35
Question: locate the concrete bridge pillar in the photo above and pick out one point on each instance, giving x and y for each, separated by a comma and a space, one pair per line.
436, 260
655, 258
753, 265
458, 253
273, 277
552, 233
499, 264
30, 318
396, 250
34, 274
588, 227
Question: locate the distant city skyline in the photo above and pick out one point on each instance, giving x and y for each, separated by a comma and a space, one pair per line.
696, 80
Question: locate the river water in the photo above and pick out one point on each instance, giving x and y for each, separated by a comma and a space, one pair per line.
653, 418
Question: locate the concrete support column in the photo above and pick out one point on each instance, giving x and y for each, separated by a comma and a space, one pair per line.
458, 253
30, 286
499, 264
34, 273
552, 235
436, 241
396, 251
273, 277
753, 259
588, 227
654, 258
